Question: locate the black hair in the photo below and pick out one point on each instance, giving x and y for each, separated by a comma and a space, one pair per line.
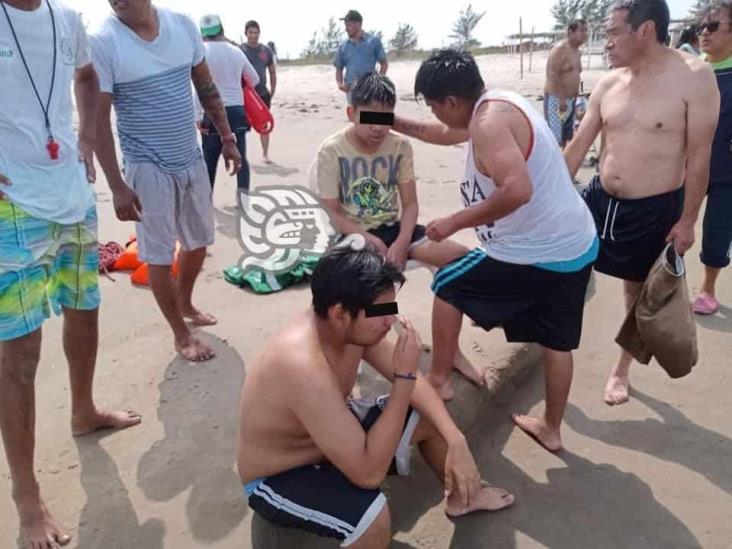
449, 72
373, 87
640, 11
353, 278
719, 6
576, 24
251, 24
688, 35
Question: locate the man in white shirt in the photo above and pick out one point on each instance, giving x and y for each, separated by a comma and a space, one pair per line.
228, 65
48, 235
538, 241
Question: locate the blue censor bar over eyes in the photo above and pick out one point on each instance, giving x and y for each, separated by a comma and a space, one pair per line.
377, 118
381, 309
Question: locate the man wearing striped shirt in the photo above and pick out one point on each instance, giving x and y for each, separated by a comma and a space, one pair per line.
165, 188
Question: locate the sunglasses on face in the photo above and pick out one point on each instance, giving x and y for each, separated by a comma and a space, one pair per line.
711, 26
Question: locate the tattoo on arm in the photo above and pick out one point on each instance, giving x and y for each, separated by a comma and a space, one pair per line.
212, 104
413, 128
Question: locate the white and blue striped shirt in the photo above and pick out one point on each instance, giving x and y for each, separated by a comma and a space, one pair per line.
151, 87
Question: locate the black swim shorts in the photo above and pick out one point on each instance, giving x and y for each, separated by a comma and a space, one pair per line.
632, 232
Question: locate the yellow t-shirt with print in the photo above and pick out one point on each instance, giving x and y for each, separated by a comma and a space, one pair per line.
367, 185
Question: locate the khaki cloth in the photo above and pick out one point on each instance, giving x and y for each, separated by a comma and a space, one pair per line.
661, 322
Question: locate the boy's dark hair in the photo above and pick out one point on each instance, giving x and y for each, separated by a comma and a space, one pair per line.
251, 24
449, 72
576, 24
373, 87
640, 11
352, 278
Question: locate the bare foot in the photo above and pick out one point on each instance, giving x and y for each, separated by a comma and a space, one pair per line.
84, 425
470, 372
443, 387
193, 350
617, 390
537, 429
490, 498
38, 529
267, 160
197, 317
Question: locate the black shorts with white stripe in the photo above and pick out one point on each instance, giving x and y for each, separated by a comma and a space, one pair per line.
319, 498
632, 231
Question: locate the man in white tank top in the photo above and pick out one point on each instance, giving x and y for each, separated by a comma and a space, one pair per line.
538, 239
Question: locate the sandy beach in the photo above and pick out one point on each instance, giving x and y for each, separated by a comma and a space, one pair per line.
171, 482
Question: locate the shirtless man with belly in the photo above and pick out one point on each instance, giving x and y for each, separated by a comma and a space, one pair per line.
657, 112
563, 78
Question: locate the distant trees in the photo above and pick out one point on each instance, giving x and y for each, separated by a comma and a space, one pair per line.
699, 7
462, 29
324, 45
404, 40
566, 11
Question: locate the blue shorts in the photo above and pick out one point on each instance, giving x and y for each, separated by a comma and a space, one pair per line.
717, 235
44, 265
561, 123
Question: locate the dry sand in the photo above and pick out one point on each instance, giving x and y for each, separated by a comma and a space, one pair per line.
171, 482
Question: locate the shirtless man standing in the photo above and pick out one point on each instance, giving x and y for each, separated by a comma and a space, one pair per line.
657, 112
313, 459
563, 70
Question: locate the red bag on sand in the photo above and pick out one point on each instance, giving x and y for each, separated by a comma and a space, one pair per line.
258, 114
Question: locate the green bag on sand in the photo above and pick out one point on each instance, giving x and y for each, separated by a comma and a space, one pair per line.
265, 282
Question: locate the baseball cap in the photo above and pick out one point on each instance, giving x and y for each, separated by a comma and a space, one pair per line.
352, 15
211, 25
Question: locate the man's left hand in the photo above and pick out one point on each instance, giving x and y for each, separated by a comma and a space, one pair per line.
462, 479
682, 235
440, 229
86, 157
397, 254
232, 158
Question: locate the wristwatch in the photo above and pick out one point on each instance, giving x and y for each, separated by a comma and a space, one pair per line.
230, 138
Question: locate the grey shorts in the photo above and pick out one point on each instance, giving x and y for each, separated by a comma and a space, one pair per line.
175, 207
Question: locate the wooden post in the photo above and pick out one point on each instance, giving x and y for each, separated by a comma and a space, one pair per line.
531, 49
521, 44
